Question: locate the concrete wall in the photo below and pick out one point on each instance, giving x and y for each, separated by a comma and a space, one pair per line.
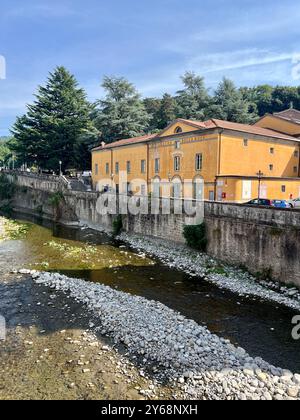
42, 182
264, 240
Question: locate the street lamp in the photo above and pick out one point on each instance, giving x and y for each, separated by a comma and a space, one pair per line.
259, 175
60, 171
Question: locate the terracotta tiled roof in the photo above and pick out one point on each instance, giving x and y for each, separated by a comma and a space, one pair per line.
226, 125
200, 124
126, 142
244, 128
289, 114
205, 125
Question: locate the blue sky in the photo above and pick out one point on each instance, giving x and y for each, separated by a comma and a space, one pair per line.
150, 42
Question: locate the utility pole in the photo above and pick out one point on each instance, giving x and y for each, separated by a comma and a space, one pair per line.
259, 175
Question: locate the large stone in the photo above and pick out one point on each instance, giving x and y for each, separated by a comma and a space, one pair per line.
293, 392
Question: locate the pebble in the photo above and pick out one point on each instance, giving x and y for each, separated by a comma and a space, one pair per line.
233, 279
172, 343
293, 392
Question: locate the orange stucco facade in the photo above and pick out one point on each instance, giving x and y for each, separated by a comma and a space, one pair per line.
279, 124
227, 157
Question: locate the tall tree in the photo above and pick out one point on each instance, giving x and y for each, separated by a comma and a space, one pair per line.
152, 106
193, 99
229, 104
167, 112
121, 114
5, 152
260, 97
50, 130
285, 97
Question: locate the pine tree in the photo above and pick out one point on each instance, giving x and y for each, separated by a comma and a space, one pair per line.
193, 99
50, 130
167, 112
152, 106
121, 114
229, 104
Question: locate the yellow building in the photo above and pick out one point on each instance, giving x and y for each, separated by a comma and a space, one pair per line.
287, 122
227, 156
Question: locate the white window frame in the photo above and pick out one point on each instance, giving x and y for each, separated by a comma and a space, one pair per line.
199, 161
157, 165
177, 163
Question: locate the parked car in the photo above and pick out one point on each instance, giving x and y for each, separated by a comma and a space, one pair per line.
282, 204
260, 202
295, 203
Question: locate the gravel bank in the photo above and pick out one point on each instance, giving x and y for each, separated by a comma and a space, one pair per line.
175, 348
50, 352
224, 276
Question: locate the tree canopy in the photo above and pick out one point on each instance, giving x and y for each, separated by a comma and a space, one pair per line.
49, 131
61, 125
5, 151
122, 113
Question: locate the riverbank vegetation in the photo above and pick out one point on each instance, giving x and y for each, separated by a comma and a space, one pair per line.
44, 250
195, 236
13, 230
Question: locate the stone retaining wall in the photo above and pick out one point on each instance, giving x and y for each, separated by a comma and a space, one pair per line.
264, 240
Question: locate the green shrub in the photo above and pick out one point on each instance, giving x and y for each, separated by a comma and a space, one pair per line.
6, 209
117, 225
195, 236
56, 198
7, 188
265, 274
274, 231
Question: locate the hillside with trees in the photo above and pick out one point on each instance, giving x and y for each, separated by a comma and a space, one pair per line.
62, 125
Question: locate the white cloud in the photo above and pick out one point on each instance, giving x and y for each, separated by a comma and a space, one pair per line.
50, 10
240, 59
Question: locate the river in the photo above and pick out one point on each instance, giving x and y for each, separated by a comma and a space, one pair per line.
261, 328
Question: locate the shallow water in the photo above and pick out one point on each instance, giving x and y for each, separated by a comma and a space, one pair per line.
262, 328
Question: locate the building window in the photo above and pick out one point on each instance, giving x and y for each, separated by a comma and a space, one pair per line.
283, 188
157, 166
176, 163
272, 150
199, 161
143, 166
128, 166
295, 169
271, 167
107, 169
296, 153
178, 130
96, 169
177, 145
246, 142
117, 168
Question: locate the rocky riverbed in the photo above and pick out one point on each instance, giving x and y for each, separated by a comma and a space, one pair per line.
224, 276
73, 339
52, 351
174, 349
